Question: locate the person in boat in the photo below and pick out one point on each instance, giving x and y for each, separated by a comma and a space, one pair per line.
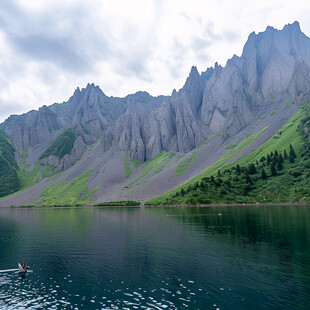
23, 268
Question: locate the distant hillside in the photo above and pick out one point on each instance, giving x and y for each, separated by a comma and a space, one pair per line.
277, 171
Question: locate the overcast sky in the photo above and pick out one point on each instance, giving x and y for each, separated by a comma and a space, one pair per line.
50, 47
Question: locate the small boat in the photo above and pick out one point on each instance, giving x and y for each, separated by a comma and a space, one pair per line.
21, 269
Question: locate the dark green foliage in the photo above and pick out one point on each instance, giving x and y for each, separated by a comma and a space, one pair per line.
119, 203
292, 154
9, 182
273, 169
252, 169
62, 145
281, 159
285, 154
248, 179
275, 160
245, 184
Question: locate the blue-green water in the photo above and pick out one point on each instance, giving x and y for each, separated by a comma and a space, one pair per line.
156, 258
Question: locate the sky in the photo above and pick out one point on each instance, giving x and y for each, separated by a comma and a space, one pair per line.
48, 48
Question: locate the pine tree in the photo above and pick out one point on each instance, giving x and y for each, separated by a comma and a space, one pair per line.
264, 175
238, 169
268, 159
219, 173
279, 166
292, 151
292, 154
263, 158
276, 153
281, 160
252, 169
285, 154
248, 179
273, 169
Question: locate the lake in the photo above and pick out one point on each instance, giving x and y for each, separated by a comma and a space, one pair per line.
156, 258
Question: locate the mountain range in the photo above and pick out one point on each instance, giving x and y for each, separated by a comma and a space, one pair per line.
95, 148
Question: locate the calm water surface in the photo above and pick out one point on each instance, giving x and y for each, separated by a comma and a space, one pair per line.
156, 258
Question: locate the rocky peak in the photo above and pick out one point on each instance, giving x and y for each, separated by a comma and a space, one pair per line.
193, 89
92, 90
206, 75
192, 78
272, 63
293, 28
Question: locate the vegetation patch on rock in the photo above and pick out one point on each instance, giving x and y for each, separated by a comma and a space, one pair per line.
118, 203
127, 165
62, 145
71, 193
155, 165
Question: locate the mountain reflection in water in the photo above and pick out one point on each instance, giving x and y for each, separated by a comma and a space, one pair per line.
156, 258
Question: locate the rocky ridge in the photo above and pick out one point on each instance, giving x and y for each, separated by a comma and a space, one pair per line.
272, 73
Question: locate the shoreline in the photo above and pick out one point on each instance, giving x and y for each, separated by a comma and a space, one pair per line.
297, 204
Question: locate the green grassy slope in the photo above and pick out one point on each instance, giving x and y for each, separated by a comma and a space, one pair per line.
118, 203
127, 165
9, 182
62, 145
183, 166
244, 180
154, 165
72, 193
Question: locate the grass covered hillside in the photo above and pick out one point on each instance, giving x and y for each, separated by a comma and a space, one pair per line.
62, 145
277, 171
75, 192
9, 182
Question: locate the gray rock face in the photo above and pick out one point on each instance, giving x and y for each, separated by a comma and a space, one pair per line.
274, 65
39, 128
193, 90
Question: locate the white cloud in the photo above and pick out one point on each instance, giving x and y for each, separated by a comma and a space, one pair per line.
49, 47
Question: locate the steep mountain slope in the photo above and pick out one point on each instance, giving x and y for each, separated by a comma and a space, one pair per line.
140, 147
276, 171
274, 66
9, 182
